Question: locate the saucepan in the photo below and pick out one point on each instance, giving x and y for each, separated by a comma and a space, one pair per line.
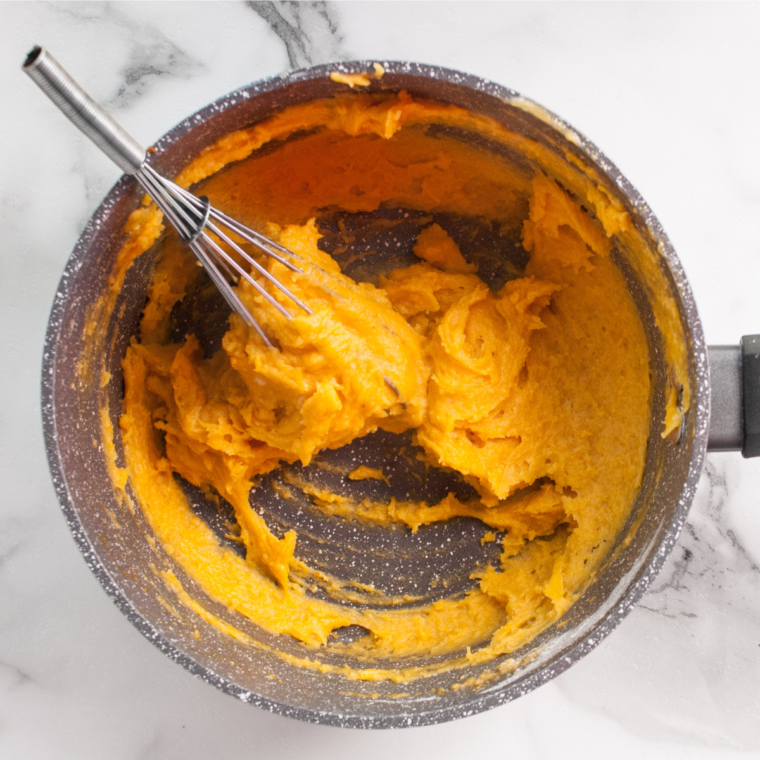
114, 537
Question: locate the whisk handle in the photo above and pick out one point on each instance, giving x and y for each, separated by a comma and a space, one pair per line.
83, 111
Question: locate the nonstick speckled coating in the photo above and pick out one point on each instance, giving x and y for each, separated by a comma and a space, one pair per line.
112, 539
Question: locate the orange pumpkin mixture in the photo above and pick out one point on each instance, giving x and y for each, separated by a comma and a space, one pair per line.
537, 392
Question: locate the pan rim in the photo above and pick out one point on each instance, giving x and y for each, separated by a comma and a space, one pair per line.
479, 701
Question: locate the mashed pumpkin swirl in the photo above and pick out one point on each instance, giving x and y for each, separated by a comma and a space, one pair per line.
536, 393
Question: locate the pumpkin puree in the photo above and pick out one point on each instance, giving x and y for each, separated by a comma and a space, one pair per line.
538, 393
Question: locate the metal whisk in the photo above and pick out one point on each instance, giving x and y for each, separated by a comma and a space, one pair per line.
193, 217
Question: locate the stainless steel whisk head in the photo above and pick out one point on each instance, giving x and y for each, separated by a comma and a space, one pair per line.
199, 224
194, 217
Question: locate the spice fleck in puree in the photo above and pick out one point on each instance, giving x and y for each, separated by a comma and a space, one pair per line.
537, 393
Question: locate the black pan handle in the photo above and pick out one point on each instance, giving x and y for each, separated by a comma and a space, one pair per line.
735, 397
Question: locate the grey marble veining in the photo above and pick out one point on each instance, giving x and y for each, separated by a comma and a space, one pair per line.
667, 91
694, 640
309, 30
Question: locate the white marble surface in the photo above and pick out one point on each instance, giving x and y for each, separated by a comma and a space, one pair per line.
670, 92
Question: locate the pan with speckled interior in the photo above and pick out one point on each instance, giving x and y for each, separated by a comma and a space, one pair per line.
394, 560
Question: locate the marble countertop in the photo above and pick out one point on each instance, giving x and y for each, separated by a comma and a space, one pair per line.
669, 92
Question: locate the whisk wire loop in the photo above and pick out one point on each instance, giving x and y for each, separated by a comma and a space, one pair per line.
192, 215
204, 219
